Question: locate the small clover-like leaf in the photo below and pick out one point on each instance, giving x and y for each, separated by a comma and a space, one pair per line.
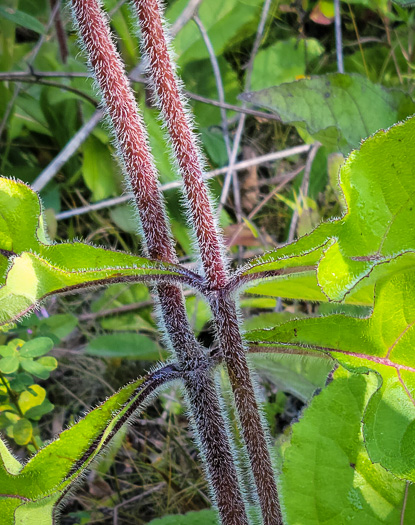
22, 431
36, 347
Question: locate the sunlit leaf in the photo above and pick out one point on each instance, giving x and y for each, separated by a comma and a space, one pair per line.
33, 268
383, 343
377, 228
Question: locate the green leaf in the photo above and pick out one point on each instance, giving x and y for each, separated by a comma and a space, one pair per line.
37, 412
22, 431
327, 476
336, 109
54, 468
40, 268
383, 343
377, 228
8, 365
31, 398
300, 376
125, 344
225, 20
202, 517
22, 19
37, 512
284, 61
36, 347
35, 368
99, 169
48, 362
59, 325
7, 461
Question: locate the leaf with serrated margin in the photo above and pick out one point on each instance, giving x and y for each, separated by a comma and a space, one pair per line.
338, 110
44, 480
327, 476
383, 343
378, 227
31, 268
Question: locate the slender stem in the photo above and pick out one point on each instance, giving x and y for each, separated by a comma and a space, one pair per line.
139, 167
222, 303
183, 141
338, 36
233, 350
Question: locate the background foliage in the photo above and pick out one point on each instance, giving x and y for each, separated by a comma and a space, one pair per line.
105, 338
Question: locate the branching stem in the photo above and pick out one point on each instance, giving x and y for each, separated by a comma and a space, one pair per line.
165, 84
142, 177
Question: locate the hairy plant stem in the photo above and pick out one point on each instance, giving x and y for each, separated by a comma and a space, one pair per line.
165, 84
139, 168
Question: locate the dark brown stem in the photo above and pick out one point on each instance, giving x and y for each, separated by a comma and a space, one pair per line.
252, 426
186, 151
142, 176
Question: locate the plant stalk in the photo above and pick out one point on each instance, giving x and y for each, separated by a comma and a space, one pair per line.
165, 85
142, 177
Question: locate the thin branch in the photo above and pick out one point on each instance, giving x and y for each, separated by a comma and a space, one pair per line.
34, 76
184, 17
67, 152
218, 81
242, 118
338, 36
156, 488
32, 80
269, 157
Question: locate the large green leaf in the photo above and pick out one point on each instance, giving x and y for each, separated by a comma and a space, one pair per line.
32, 268
336, 109
327, 476
383, 343
47, 476
378, 227
126, 344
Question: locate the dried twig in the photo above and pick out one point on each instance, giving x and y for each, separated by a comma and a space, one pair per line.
66, 153
269, 157
242, 118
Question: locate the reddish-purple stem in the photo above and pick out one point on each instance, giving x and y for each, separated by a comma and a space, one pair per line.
142, 176
165, 84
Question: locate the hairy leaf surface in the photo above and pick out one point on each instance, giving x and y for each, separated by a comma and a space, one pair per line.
32, 268
378, 227
383, 343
